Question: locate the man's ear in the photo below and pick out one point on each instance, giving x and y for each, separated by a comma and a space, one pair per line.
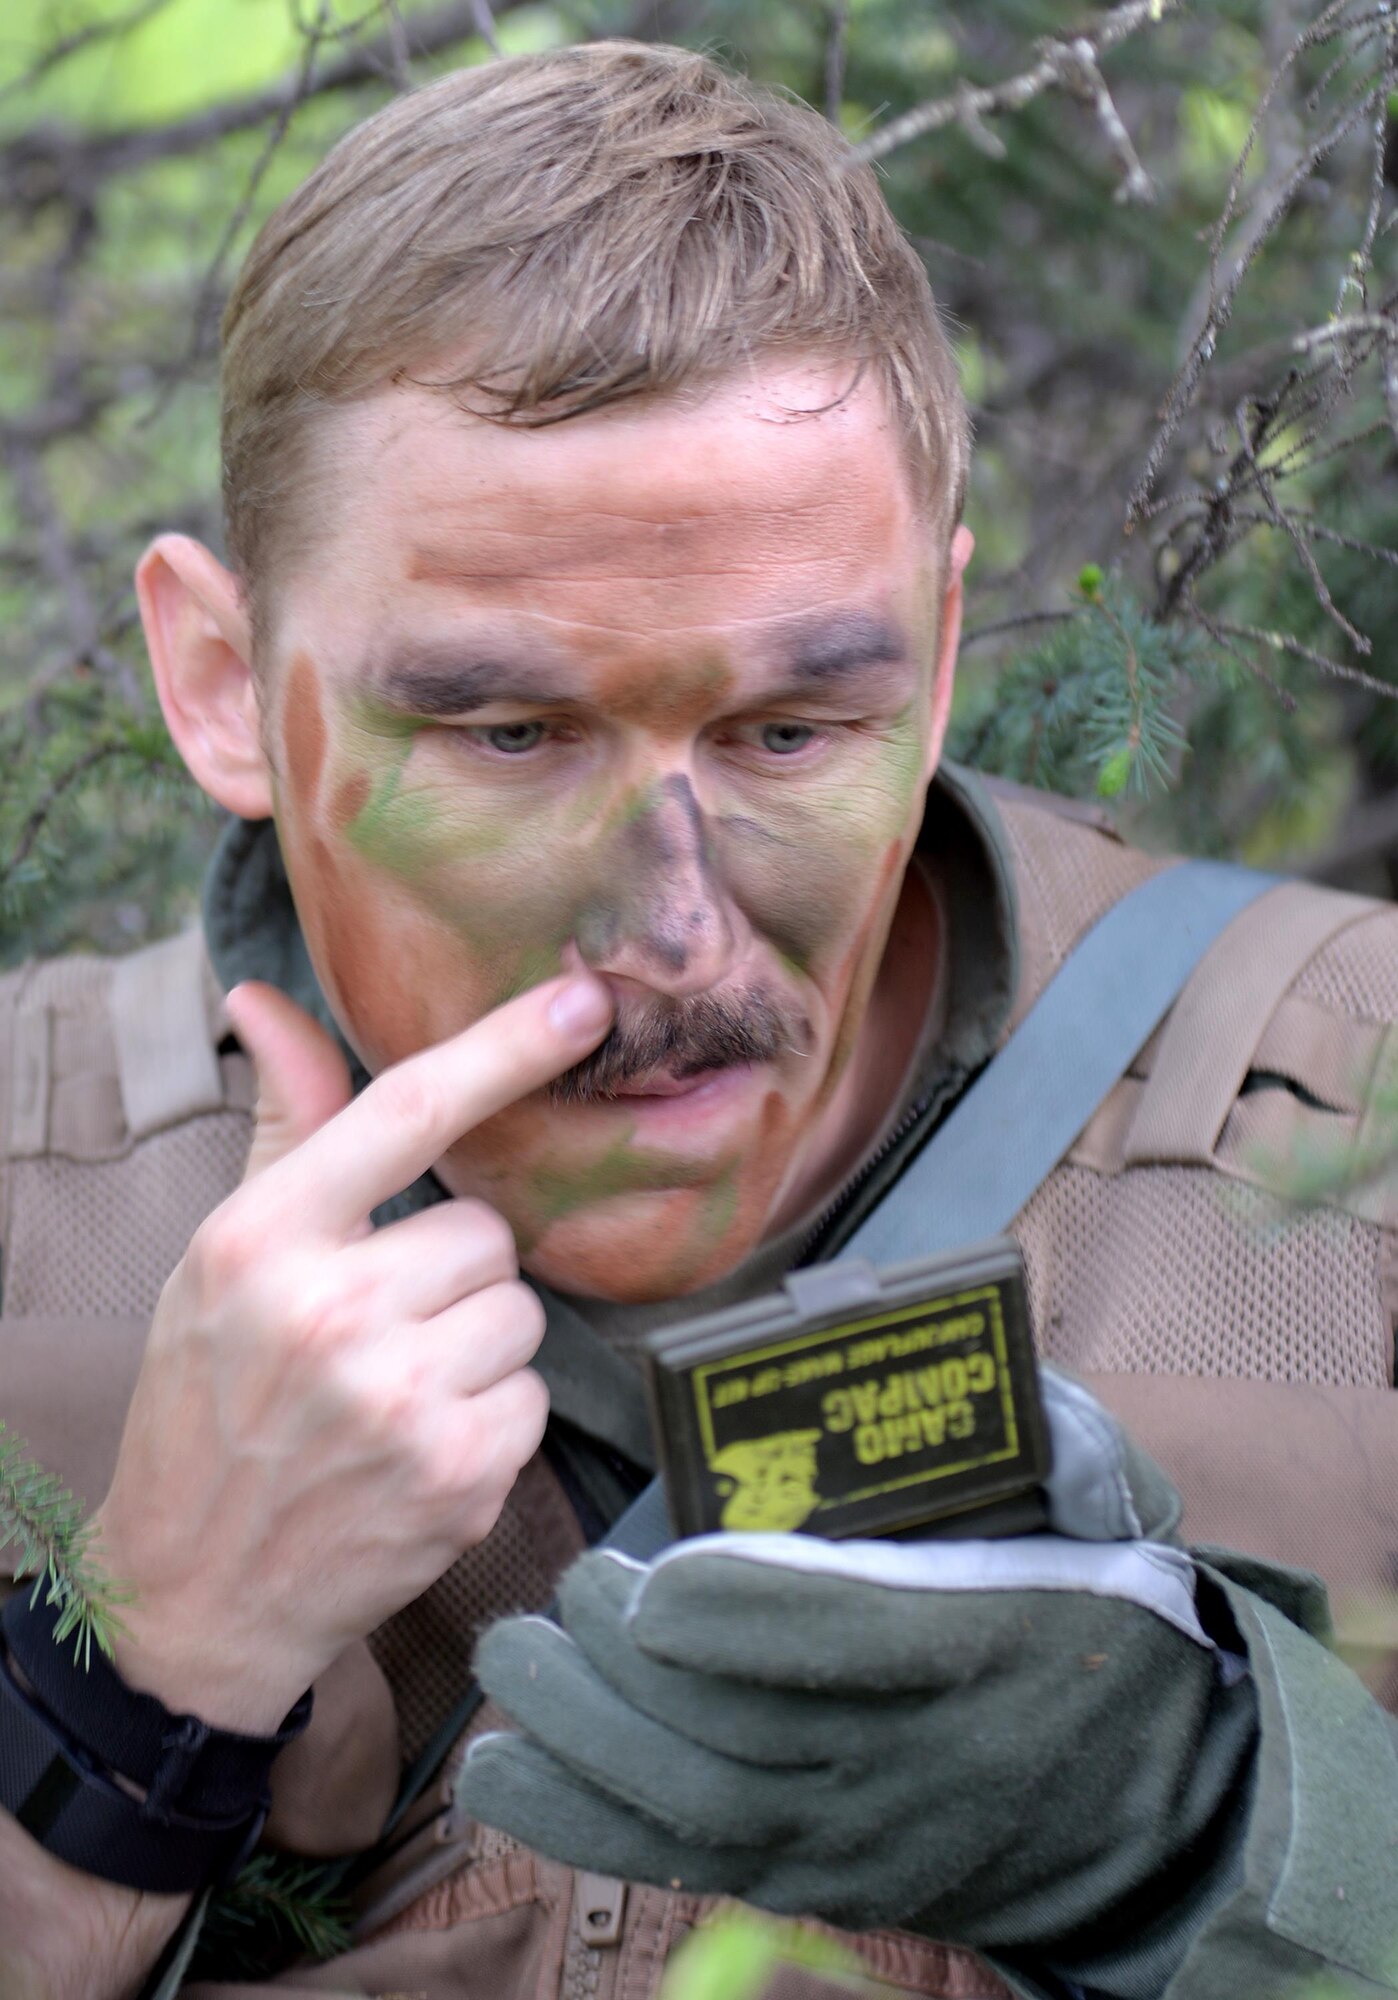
200, 644
963, 543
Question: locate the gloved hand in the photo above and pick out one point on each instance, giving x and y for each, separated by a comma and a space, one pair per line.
992, 1742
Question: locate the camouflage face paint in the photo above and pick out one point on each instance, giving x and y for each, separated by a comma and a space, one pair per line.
636, 810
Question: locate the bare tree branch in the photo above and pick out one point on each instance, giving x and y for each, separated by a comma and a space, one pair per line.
836, 51
81, 38
1283, 642
1338, 330
56, 160
1269, 211
1063, 65
1281, 518
1135, 183
999, 626
207, 297
485, 25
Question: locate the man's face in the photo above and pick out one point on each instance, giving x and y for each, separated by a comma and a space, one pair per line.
651, 690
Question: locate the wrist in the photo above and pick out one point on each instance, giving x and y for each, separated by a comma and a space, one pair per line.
112, 1781
190, 1681
182, 1653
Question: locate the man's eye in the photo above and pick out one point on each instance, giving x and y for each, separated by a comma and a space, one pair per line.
512, 739
784, 739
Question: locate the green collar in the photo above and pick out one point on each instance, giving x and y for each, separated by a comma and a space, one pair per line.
252, 930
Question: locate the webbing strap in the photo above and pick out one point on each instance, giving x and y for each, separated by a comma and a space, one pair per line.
166, 1060
1024, 1111
1213, 1033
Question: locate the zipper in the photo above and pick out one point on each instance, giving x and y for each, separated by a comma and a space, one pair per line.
582, 1968
947, 1092
594, 1926
848, 1194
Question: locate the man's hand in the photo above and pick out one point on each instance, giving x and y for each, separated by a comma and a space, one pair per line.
996, 1743
327, 1416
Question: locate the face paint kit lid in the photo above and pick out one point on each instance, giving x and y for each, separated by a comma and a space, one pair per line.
858, 1401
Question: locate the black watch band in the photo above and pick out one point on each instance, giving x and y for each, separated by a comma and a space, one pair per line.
194, 1799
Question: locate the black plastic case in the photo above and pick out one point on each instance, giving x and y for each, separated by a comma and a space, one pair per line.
857, 1402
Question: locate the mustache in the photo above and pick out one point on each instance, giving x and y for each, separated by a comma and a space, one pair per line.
685, 1038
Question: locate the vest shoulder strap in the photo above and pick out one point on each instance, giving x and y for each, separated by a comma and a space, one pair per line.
1019, 1118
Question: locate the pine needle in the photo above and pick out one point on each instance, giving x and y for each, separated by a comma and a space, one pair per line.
275, 1908
39, 1514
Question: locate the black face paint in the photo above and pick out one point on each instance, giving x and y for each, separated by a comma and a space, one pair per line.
666, 898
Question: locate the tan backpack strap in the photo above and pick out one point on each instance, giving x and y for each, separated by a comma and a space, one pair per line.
96, 1055
28, 1068
165, 1027
1212, 1034
1336, 1058
1299, 1473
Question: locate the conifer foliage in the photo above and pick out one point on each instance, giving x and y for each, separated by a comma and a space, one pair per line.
45, 1535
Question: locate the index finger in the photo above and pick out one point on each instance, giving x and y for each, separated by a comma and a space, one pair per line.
403, 1122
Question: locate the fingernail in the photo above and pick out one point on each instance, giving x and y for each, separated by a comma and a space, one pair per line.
582, 1007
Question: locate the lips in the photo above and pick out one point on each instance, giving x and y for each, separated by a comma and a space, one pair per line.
662, 1085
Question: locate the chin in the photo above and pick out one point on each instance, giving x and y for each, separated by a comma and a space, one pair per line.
643, 1248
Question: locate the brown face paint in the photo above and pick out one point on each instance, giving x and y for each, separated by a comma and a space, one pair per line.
663, 695
350, 799
303, 729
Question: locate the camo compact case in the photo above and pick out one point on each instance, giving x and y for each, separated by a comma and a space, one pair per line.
858, 1401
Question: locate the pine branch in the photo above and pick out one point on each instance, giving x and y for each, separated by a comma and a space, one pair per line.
275, 1908
84, 736
47, 802
39, 1514
1090, 709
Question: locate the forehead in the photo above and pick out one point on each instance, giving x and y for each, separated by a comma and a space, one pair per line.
779, 494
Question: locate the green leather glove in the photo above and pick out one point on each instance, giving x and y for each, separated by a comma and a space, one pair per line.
997, 1743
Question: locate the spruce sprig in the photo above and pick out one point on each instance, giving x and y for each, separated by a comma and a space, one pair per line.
40, 1515
1094, 708
274, 1908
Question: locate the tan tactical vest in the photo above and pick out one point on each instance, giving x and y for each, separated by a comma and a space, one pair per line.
1248, 1346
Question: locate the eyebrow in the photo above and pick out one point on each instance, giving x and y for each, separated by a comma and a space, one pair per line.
837, 648
454, 680
444, 679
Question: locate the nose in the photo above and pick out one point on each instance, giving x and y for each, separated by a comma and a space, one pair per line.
663, 918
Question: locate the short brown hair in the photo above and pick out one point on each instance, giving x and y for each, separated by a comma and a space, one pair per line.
597, 222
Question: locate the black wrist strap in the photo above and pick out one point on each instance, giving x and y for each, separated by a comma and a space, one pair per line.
194, 1798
